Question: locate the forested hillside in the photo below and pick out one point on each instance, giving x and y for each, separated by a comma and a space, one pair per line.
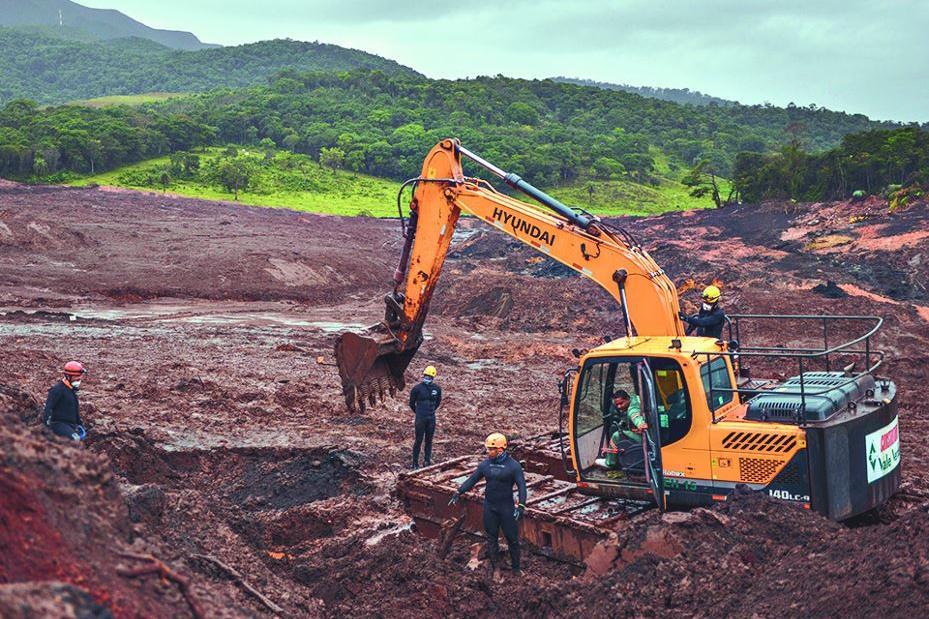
47, 69
884, 161
84, 22
371, 122
550, 132
676, 95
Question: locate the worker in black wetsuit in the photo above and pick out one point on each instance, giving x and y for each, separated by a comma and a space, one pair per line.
425, 398
501, 473
709, 322
61, 407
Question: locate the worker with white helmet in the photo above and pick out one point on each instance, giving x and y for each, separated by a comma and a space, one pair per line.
425, 398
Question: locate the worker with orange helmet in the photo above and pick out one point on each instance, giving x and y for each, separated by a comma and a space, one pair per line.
425, 398
61, 407
501, 473
709, 322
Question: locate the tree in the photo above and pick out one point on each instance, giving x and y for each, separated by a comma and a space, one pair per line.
607, 168
235, 174
291, 140
268, 146
702, 180
332, 158
39, 165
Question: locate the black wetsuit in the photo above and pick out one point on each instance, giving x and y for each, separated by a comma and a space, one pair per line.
501, 473
708, 323
61, 411
425, 398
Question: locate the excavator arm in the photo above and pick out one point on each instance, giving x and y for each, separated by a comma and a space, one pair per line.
372, 365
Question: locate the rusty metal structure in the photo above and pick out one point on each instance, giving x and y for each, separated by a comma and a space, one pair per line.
560, 521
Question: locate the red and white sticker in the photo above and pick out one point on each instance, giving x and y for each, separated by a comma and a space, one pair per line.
882, 450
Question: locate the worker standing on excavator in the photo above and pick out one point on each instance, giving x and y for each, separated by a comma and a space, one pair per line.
425, 398
709, 322
501, 473
61, 407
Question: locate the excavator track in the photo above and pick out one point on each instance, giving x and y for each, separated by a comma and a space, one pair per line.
559, 522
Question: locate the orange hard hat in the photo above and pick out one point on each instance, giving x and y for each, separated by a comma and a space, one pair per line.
74, 369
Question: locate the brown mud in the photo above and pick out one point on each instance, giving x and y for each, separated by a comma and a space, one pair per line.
217, 440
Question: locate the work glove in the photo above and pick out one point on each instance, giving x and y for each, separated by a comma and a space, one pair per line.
81, 432
454, 499
518, 512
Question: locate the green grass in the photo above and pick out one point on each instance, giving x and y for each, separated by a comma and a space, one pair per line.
335, 192
623, 197
297, 182
149, 97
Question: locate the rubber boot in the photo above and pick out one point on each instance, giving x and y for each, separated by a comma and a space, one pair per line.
493, 560
514, 559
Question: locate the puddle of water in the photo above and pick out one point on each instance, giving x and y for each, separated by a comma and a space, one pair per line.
482, 364
333, 327
78, 331
111, 314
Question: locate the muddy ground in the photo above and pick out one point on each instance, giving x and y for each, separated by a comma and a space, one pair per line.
222, 449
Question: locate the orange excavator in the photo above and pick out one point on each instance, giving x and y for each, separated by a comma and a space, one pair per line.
826, 438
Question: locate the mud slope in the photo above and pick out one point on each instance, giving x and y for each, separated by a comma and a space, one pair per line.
221, 447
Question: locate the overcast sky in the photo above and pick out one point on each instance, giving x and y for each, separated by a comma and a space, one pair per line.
868, 56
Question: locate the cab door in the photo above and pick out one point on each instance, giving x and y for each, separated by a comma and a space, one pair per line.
651, 438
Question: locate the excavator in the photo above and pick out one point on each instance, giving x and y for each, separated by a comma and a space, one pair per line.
825, 438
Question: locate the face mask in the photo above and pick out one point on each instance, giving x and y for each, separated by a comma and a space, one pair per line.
707, 307
427, 379
76, 385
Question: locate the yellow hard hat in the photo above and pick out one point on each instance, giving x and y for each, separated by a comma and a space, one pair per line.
711, 294
495, 440
429, 371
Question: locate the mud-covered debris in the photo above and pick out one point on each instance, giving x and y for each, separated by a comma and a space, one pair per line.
49, 599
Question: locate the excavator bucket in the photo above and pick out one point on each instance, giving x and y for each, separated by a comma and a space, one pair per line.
370, 366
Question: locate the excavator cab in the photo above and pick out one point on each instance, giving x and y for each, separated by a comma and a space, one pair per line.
607, 452
823, 437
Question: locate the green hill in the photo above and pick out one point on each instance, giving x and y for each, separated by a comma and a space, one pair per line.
275, 178
50, 69
676, 95
83, 22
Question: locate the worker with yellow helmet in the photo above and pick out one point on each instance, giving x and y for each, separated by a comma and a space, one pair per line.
501, 473
425, 398
709, 322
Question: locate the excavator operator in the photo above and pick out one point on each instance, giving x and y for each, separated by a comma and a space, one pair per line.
625, 426
501, 473
709, 322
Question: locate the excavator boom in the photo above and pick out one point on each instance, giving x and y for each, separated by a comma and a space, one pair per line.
372, 365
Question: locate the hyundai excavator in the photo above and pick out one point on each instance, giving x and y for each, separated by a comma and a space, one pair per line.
826, 438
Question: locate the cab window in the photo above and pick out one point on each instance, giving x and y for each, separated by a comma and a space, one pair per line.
590, 404
716, 374
674, 413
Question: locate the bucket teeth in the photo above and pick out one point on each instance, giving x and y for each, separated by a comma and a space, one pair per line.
370, 367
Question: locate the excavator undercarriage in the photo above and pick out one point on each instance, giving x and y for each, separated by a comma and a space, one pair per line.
560, 521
